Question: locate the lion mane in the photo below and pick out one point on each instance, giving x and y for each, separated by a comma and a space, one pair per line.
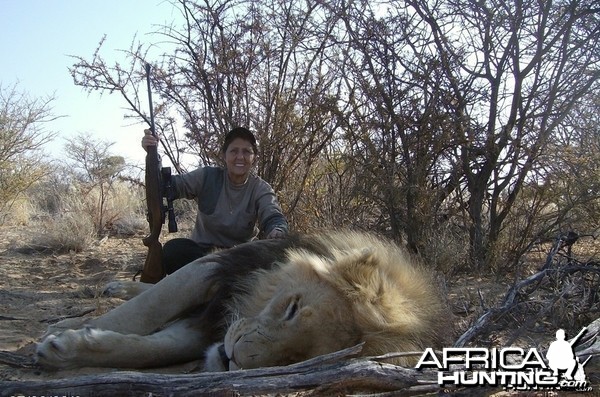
272, 302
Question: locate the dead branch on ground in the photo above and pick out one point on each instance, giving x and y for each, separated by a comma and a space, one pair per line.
553, 272
330, 374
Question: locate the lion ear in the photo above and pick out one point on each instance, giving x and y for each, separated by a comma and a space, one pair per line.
364, 257
356, 274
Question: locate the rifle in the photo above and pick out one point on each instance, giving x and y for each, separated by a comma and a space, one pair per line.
158, 185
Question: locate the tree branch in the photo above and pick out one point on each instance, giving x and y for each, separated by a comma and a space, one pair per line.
324, 375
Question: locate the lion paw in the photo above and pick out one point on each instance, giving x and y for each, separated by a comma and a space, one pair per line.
69, 323
61, 351
124, 289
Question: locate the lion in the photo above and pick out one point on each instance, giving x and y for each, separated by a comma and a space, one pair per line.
265, 303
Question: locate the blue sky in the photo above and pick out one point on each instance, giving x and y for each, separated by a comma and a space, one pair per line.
37, 38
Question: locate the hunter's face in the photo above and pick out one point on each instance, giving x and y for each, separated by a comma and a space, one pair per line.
239, 158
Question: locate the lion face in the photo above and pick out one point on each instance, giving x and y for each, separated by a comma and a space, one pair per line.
295, 325
314, 304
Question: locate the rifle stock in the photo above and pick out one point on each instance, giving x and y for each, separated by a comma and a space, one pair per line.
153, 268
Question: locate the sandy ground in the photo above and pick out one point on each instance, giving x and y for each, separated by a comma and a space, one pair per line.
39, 289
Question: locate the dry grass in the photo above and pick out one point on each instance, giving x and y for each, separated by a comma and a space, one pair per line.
71, 217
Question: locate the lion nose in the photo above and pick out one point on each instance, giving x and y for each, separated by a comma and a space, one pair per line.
230, 353
233, 366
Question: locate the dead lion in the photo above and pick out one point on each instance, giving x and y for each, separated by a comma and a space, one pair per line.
265, 303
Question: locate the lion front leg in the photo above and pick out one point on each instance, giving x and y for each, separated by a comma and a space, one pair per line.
125, 289
165, 301
91, 347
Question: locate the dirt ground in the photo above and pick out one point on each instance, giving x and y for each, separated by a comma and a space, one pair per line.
40, 288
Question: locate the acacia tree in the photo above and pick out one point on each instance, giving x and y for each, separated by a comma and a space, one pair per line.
417, 110
255, 64
570, 169
22, 138
97, 171
463, 98
397, 119
522, 67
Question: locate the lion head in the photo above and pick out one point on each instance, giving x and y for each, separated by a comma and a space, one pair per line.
360, 290
295, 325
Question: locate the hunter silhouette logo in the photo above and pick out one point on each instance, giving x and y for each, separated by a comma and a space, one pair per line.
561, 357
513, 368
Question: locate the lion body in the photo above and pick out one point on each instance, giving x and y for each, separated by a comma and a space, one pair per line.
266, 303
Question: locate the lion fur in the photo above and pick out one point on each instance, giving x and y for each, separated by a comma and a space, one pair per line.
326, 291
392, 298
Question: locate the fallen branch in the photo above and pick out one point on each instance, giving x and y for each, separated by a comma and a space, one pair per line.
589, 345
511, 298
83, 312
507, 303
16, 360
324, 375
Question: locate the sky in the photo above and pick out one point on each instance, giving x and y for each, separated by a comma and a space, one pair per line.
37, 41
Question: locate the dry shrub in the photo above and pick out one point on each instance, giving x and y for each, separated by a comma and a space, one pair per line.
71, 229
447, 249
18, 213
70, 217
128, 224
123, 213
185, 214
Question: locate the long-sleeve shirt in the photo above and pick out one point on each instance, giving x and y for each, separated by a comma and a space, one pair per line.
228, 214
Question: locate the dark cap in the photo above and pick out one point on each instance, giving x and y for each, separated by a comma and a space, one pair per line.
239, 132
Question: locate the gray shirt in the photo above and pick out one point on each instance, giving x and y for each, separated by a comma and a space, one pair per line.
228, 214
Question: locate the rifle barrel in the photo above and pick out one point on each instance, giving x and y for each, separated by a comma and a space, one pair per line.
148, 68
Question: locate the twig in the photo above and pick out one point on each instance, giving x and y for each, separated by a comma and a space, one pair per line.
82, 313
11, 318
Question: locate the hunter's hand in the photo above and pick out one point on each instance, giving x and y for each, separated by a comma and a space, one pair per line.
276, 233
149, 139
